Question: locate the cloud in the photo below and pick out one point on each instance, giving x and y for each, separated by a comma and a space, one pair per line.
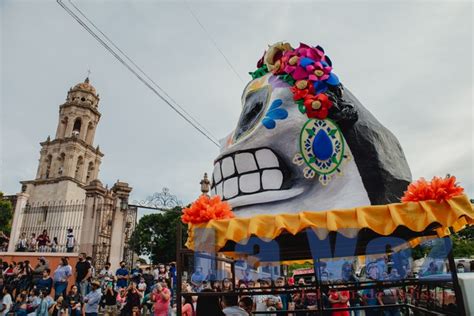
408, 62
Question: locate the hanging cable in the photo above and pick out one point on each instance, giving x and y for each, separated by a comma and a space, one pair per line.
176, 107
213, 42
139, 68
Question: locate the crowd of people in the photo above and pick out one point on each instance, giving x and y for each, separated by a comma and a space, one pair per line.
295, 297
43, 290
38, 289
43, 243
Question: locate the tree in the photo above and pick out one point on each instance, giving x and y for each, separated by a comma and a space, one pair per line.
155, 236
6, 215
463, 243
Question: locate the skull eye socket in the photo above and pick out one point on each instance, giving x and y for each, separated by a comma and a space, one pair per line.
252, 112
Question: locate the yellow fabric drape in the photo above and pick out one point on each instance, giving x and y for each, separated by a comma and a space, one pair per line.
455, 213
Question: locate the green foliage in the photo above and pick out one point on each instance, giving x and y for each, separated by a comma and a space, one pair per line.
466, 234
463, 243
463, 246
295, 266
419, 252
155, 236
6, 215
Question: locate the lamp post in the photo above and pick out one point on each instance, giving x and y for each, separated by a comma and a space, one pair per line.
205, 185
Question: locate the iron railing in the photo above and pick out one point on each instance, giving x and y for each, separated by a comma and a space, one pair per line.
56, 218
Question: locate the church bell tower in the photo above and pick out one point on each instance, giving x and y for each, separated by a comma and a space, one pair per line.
70, 161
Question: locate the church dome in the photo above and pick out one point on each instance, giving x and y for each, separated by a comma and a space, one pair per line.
83, 94
85, 86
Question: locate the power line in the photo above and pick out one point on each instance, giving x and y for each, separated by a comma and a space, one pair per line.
213, 42
177, 108
140, 69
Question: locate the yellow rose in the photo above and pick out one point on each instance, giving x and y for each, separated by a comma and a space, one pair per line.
272, 51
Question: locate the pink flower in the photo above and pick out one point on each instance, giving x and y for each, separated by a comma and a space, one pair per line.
310, 52
305, 63
318, 71
291, 59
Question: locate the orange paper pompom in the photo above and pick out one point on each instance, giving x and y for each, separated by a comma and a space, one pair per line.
205, 209
438, 189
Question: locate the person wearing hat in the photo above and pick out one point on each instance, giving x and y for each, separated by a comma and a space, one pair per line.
92, 299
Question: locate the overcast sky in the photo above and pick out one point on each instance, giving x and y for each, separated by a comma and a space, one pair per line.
408, 62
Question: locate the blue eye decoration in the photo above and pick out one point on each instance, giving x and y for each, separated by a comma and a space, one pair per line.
274, 113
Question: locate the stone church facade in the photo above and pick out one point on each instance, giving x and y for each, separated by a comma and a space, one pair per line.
66, 192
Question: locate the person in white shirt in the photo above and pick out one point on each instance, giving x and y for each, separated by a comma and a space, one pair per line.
266, 302
6, 301
70, 241
22, 244
156, 273
106, 275
142, 286
32, 243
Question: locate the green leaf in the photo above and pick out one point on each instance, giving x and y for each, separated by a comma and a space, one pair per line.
310, 131
288, 79
302, 108
312, 160
260, 72
332, 132
334, 159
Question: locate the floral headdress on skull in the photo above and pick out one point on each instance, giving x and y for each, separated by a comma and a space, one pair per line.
307, 69
318, 94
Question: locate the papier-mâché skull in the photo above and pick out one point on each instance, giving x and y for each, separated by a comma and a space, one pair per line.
304, 143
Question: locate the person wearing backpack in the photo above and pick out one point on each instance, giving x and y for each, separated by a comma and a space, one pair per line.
70, 241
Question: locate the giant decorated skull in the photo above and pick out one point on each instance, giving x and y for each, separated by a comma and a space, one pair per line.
304, 143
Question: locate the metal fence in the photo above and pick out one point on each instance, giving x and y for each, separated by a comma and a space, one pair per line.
56, 218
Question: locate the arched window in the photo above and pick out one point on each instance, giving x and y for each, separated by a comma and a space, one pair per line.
76, 129
90, 170
90, 133
61, 160
62, 131
49, 159
79, 164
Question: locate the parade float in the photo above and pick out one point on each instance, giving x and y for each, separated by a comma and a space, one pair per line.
310, 174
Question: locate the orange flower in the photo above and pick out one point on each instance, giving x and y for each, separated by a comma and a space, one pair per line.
206, 208
438, 189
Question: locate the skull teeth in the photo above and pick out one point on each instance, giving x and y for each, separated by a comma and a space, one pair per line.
247, 173
272, 179
228, 168
245, 162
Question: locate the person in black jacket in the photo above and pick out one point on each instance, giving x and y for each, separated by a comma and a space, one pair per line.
208, 305
132, 300
74, 301
109, 300
149, 279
